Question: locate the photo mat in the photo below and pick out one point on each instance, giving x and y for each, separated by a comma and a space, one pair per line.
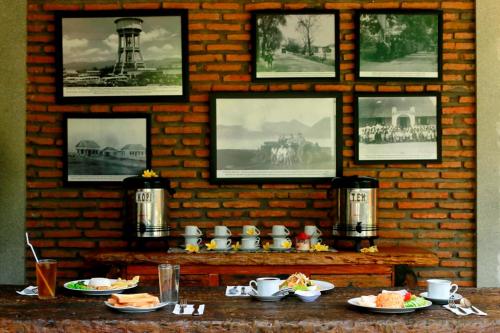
275, 137
105, 148
397, 128
399, 44
121, 56
295, 45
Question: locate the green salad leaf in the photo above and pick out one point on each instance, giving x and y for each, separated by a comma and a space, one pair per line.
415, 302
80, 285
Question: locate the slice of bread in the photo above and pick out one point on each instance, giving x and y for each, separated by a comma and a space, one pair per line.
135, 300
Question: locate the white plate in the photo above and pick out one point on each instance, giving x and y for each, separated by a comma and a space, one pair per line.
321, 285
97, 292
255, 249
454, 297
133, 309
279, 236
265, 298
354, 301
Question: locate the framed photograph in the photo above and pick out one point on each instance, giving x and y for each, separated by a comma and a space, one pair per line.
295, 45
275, 137
397, 128
398, 44
121, 56
105, 148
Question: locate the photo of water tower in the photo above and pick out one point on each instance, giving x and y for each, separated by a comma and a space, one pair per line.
122, 56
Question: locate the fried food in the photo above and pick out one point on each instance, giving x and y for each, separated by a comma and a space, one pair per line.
297, 281
390, 300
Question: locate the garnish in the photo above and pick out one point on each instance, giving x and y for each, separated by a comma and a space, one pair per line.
212, 245
286, 244
320, 247
251, 232
236, 246
149, 174
266, 247
371, 249
191, 248
80, 285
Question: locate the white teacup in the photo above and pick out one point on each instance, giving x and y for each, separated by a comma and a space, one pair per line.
265, 286
440, 289
222, 243
312, 231
192, 240
280, 230
250, 230
222, 231
315, 240
278, 242
250, 243
192, 230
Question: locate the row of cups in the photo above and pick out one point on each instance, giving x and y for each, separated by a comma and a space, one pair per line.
250, 239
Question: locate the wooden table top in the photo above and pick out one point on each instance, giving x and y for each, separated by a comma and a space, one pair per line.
385, 256
330, 313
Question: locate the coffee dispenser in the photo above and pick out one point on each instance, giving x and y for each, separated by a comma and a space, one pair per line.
356, 208
146, 206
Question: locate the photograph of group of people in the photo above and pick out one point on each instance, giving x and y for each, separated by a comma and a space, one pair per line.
388, 134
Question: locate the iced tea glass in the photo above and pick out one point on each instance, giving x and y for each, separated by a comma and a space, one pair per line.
46, 273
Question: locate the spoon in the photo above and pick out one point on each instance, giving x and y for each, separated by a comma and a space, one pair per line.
465, 303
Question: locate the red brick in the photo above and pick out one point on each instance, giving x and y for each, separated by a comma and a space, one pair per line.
220, 5
242, 204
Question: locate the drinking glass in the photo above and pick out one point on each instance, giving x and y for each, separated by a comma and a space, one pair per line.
168, 276
46, 274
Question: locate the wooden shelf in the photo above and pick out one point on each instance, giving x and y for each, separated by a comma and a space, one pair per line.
216, 268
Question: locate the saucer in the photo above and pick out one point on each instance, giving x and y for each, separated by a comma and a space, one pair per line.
280, 249
266, 298
255, 249
222, 250
185, 235
247, 236
454, 297
279, 236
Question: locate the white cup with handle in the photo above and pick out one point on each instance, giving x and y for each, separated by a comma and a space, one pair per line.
250, 230
192, 240
222, 243
440, 289
280, 230
265, 286
221, 231
192, 230
312, 231
250, 243
315, 240
278, 242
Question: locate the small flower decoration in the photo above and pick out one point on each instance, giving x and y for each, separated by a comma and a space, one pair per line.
371, 249
191, 248
286, 244
251, 232
320, 247
266, 247
236, 246
149, 174
212, 245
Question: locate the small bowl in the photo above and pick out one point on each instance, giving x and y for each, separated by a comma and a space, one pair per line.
308, 296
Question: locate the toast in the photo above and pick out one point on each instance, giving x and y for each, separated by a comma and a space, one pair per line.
142, 300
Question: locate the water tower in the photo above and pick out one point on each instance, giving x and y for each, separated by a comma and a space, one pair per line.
129, 47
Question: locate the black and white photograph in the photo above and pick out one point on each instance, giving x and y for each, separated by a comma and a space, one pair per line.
398, 128
295, 45
275, 137
121, 56
399, 44
106, 148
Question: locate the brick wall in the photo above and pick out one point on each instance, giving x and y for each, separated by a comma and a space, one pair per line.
427, 205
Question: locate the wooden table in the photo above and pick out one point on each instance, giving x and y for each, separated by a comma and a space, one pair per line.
228, 268
330, 313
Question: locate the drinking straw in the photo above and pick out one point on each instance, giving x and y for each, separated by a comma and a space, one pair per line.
38, 268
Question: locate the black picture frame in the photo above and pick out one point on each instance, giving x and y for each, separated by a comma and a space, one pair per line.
397, 128
278, 137
408, 47
121, 56
105, 148
294, 59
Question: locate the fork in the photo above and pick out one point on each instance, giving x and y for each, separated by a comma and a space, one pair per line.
182, 305
243, 291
